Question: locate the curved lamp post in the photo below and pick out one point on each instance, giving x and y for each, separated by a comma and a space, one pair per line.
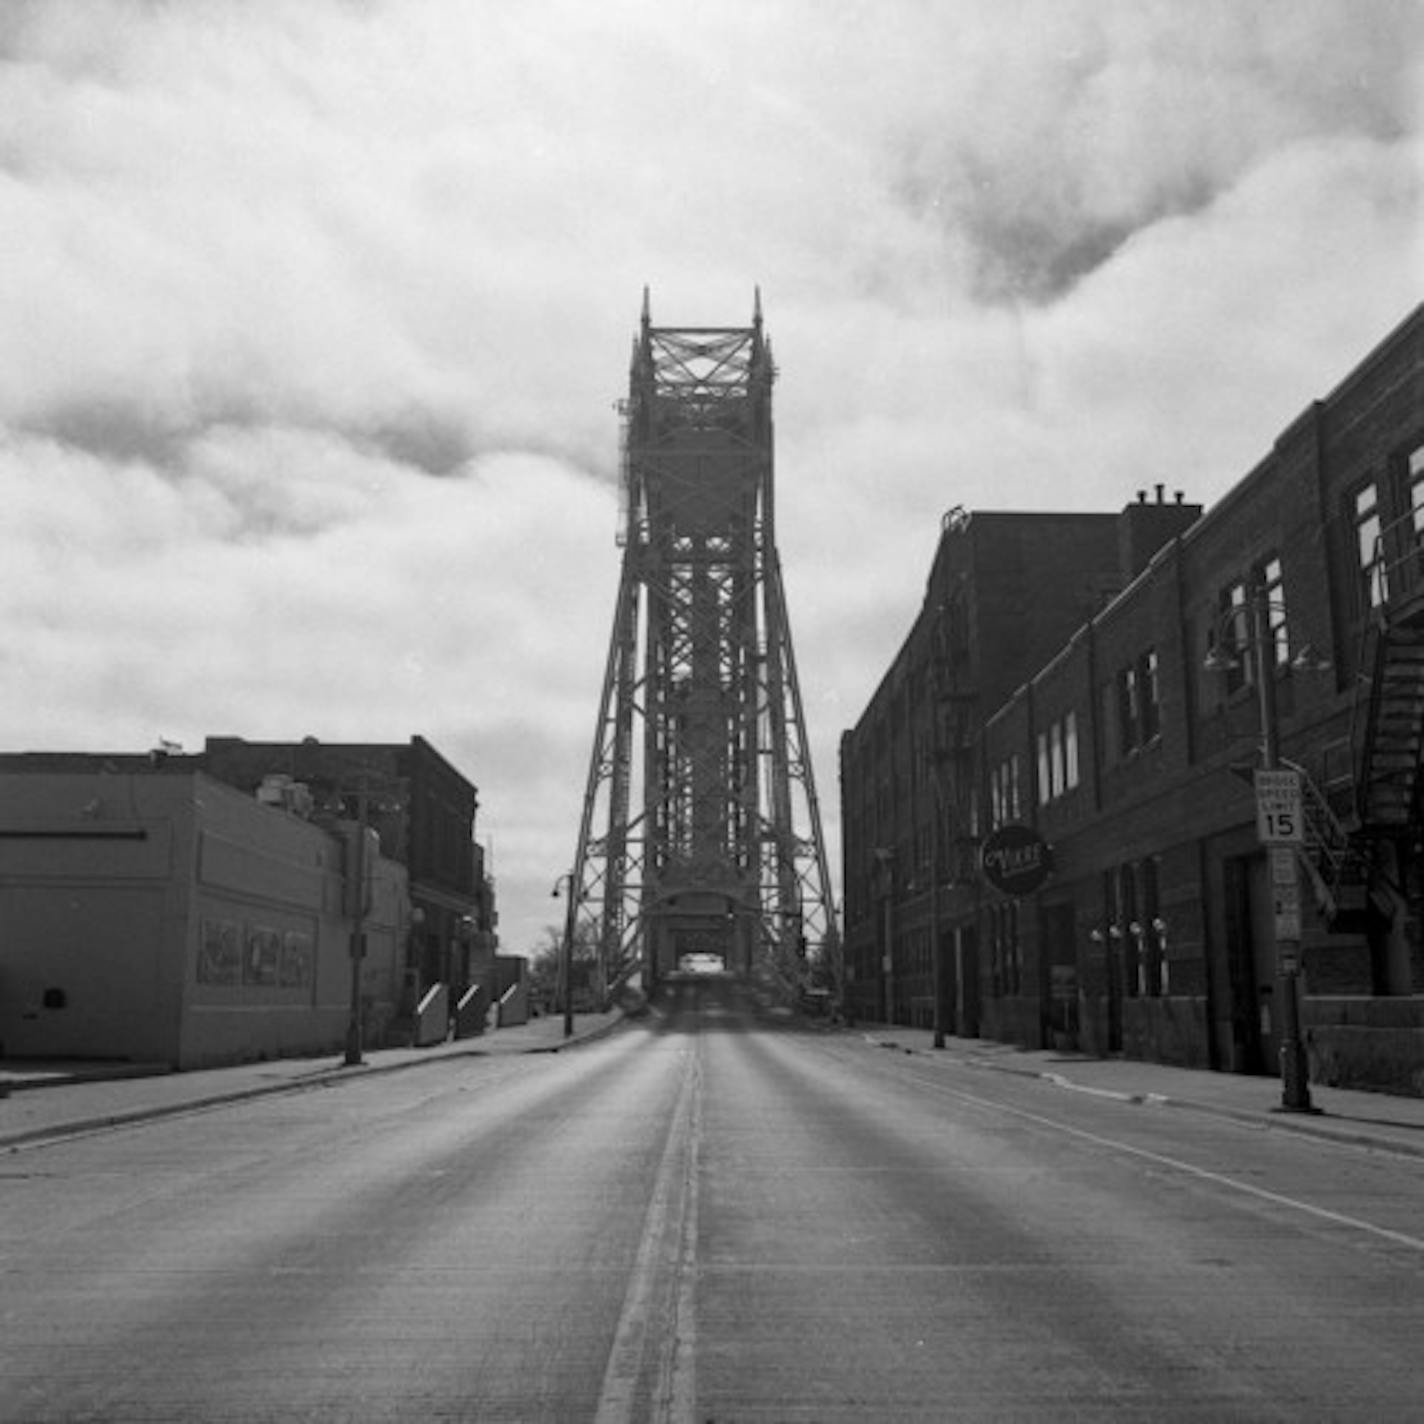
566, 950
354, 1027
349, 769
1281, 840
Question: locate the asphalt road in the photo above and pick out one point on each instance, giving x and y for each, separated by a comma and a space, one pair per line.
708, 1216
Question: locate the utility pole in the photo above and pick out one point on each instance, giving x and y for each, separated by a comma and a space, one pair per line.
1282, 870
354, 1033
570, 911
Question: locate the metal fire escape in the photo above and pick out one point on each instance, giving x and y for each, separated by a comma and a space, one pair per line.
1356, 857
701, 830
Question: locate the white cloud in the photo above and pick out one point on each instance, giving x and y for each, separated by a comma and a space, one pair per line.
313, 315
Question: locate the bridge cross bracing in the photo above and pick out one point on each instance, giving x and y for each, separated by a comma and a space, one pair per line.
700, 832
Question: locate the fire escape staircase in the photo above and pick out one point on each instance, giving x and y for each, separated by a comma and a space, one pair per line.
1336, 861
1342, 860
1393, 729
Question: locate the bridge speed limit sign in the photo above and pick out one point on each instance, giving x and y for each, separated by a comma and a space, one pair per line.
1279, 820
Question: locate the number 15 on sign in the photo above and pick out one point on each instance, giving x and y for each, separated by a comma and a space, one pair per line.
1278, 808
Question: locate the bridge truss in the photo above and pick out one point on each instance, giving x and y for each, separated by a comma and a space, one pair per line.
701, 831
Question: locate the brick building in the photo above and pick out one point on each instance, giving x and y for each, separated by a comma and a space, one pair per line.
150, 913
424, 811
1005, 592
1127, 747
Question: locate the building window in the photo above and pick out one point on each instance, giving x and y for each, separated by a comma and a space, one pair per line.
1133, 702
1416, 495
1006, 791
1070, 750
1149, 698
1126, 915
1058, 758
1235, 635
1369, 546
1277, 631
1128, 705
1150, 956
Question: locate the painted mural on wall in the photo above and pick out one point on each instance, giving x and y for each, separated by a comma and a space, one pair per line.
220, 953
298, 959
233, 953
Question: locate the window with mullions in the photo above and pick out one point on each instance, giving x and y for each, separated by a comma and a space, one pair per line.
1233, 629
1416, 495
1126, 898
1133, 709
1369, 546
1006, 791
1127, 708
1149, 940
1058, 759
1276, 629
1149, 697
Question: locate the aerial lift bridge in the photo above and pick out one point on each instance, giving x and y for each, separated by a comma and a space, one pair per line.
701, 833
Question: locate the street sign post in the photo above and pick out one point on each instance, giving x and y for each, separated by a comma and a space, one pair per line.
1279, 818
1285, 895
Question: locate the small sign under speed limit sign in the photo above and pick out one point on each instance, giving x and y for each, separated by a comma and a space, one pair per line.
1279, 820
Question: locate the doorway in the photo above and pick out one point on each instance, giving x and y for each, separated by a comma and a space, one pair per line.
1250, 953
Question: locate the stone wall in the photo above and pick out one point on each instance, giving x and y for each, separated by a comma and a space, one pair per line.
1372, 1043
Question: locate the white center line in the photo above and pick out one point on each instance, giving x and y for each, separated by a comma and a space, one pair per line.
659, 1296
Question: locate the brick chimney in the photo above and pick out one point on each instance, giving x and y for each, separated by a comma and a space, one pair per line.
1146, 525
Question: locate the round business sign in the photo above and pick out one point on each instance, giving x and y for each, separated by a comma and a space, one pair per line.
1016, 860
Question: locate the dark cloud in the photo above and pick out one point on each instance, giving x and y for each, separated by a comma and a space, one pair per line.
112, 430
16, 19
123, 430
425, 443
1045, 159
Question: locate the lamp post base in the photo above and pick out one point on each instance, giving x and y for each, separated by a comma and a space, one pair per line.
1295, 1088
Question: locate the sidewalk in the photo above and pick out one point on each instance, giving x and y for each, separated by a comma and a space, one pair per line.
45, 1100
1380, 1120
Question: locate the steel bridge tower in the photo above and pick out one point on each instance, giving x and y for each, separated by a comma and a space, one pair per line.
701, 831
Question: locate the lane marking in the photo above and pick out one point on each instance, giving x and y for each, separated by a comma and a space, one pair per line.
1385, 1233
661, 1269
676, 1396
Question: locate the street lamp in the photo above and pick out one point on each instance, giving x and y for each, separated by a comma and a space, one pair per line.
360, 891
566, 954
354, 1032
1281, 849
357, 878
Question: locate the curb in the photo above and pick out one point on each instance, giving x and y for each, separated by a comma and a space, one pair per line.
592, 1036
1320, 1126
119, 1073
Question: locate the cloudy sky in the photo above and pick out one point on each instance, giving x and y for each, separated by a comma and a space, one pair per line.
313, 316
